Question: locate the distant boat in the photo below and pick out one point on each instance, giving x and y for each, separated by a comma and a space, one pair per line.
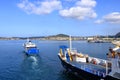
30, 48
98, 41
86, 67
117, 43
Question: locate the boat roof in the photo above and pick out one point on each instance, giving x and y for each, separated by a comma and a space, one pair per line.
63, 47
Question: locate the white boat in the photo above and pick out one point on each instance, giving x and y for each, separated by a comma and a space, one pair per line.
30, 48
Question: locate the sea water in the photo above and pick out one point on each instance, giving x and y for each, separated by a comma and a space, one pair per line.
15, 65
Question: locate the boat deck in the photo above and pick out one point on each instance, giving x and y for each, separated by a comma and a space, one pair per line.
91, 68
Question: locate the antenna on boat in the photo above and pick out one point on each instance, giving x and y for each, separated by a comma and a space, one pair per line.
70, 43
28, 39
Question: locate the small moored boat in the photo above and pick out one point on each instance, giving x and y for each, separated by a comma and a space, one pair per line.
31, 48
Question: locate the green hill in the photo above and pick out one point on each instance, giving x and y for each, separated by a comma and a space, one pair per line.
62, 35
117, 35
59, 35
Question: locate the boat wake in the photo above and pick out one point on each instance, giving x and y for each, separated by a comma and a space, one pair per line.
33, 58
34, 61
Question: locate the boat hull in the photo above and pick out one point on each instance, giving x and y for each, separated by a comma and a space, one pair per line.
84, 75
32, 51
110, 78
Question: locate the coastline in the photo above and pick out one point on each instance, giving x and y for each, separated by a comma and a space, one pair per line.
54, 38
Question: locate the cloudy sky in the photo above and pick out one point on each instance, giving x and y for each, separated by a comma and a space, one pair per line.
51, 17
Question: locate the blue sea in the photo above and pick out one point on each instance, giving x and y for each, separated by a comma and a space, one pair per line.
15, 65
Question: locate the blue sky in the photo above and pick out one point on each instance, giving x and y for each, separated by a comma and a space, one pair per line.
51, 17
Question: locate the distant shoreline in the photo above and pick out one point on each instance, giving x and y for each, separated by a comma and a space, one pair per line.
62, 37
56, 38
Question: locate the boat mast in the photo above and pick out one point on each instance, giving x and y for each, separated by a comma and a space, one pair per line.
28, 39
106, 68
70, 43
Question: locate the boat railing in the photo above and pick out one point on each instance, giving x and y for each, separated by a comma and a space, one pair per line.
116, 65
96, 72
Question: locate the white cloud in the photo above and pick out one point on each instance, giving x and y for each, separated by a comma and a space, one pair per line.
82, 10
78, 13
45, 7
86, 3
113, 18
99, 21
70, 0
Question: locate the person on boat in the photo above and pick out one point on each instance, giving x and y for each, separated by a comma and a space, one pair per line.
29, 41
87, 59
118, 53
108, 55
112, 52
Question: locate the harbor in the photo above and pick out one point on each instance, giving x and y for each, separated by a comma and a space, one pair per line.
64, 37
59, 40
16, 65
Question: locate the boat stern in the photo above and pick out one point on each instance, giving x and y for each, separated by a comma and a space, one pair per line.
32, 51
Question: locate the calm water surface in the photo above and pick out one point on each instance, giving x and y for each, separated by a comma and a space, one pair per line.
15, 65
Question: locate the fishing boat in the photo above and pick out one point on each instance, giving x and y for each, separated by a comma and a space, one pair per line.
86, 67
30, 48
